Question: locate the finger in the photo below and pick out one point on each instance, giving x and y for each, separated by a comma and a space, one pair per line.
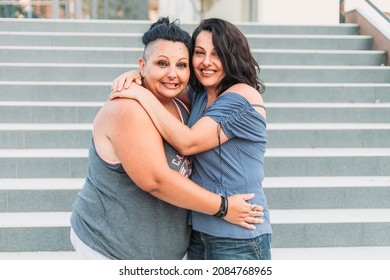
247, 225
138, 81
114, 85
254, 220
114, 95
127, 83
248, 196
120, 84
257, 207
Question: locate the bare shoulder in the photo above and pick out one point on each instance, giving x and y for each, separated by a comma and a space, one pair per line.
247, 91
125, 109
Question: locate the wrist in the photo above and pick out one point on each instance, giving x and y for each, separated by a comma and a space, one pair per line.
223, 209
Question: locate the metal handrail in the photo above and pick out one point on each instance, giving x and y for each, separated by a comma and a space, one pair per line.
377, 10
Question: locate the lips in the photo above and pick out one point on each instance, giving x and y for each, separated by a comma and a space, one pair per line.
207, 72
170, 85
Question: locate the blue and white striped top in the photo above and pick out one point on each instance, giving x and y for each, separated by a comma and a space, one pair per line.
235, 168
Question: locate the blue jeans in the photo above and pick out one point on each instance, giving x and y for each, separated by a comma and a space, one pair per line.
208, 247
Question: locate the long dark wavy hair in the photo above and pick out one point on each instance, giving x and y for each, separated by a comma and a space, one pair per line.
233, 49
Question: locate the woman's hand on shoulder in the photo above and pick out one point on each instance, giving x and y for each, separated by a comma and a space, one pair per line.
124, 81
134, 91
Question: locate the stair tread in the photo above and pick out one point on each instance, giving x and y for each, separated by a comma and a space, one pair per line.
35, 219
327, 152
326, 181
41, 183
319, 216
291, 216
270, 126
43, 153
269, 182
45, 126
271, 152
329, 253
326, 126
332, 253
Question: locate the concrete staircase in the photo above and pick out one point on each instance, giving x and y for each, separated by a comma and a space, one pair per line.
328, 158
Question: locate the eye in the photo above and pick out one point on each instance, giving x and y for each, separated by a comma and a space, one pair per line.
215, 53
199, 52
182, 65
162, 63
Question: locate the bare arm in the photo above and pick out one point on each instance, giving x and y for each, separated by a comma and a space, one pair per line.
188, 141
200, 137
139, 147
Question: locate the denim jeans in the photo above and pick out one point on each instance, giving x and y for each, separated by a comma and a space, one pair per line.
208, 247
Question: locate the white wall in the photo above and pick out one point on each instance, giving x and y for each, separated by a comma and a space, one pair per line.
230, 10
185, 10
299, 11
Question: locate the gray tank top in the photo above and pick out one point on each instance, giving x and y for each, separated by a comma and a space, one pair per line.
119, 220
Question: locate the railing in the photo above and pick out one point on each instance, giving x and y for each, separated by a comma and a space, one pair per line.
374, 6
378, 10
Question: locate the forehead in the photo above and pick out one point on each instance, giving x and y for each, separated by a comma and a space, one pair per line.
204, 38
167, 48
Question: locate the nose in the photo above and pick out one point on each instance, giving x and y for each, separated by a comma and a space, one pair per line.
171, 73
207, 60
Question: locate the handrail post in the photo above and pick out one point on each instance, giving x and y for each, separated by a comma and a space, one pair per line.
342, 12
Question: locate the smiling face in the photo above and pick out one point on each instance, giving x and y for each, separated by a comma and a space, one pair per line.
206, 62
165, 68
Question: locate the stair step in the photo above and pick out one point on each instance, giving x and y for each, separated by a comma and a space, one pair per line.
43, 163
275, 92
333, 216
269, 73
280, 135
23, 54
328, 135
327, 92
63, 71
9, 184
326, 182
290, 216
328, 112
325, 192
72, 163
330, 228
54, 91
48, 112
38, 195
292, 228
327, 162
43, 135
43, 255
117, 39
140, 26
33, 220
330, 253
325, 74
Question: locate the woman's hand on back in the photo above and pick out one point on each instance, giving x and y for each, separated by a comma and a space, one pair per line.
242, 213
